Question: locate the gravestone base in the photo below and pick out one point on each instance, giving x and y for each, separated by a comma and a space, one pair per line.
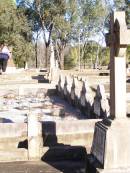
10, 66
111, 146
11, 70
119, 170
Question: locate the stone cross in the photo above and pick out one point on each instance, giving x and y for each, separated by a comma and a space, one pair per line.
118, 39
110, 138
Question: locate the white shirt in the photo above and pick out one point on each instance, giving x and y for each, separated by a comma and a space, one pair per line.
6, 50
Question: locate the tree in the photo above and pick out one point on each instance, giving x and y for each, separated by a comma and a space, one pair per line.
120, 4
91, 17
67, 21
15, 31
71, 58
48, 16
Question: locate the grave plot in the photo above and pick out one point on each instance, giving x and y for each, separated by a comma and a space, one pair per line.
15, 108
59, 119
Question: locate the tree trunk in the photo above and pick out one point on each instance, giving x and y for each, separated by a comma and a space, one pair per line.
62, 59
36, 54
47, 57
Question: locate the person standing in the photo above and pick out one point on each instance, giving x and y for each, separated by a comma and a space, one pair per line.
4, 56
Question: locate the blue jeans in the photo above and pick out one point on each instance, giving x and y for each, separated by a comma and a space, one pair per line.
3, 61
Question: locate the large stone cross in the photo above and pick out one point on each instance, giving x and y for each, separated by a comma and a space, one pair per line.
118, 39
111, 144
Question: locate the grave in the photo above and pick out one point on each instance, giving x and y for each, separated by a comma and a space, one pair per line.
11, 66
110, 150
101, 103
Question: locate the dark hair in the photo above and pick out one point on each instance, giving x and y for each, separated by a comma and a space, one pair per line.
2, 42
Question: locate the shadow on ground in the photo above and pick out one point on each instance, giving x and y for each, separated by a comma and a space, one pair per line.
41, 78
66, 158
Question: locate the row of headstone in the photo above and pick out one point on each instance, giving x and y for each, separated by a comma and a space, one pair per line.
79, 94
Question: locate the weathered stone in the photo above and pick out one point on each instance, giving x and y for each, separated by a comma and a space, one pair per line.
34, 137
28, 167
67, 88
101, 105
78, 88
10, 95
60, 86
109, 138
58, 112
11, 66
72, 94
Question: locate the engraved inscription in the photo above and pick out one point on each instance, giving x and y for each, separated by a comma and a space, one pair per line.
98, 147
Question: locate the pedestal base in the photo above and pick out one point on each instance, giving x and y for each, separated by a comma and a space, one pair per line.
11, 70
111, 145
127, 170
10, 66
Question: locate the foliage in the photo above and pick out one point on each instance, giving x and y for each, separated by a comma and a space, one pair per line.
71, 58
119, 4
128, 54
90, 56
65, 21
15, 31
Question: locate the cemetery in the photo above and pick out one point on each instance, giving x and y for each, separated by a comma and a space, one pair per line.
56, 120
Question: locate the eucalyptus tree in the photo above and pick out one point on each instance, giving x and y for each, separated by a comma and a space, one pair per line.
48, 16
89, 24
15, 31
65, 21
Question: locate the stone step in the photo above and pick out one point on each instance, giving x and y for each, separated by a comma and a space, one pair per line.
69, 166
27, 77
64, 153
27, 89
13, 155
12, 143
18, 82
28, 167
78, 132
83, 139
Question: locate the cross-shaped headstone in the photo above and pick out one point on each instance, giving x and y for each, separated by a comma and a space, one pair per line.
118, 39
109, 137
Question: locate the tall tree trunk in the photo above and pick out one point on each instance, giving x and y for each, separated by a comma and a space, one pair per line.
36, 54
62, 59
48, 57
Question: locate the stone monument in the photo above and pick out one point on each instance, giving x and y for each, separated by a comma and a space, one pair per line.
54, 68
11, 66
111, 143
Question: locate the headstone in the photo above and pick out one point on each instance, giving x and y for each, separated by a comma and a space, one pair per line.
54, 68
111, 143
26, 66
72, 95
82, 95
11, 66
86, 100
78, 88
67, 88
101, 105
61, 85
